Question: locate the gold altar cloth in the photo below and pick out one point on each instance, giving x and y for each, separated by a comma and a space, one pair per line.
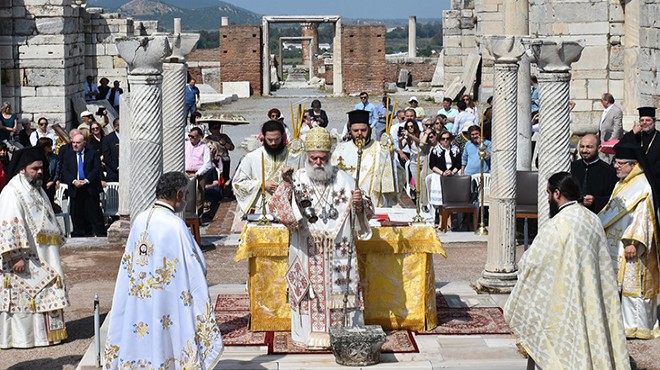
396, 269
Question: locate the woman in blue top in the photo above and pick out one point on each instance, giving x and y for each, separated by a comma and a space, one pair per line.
9, 124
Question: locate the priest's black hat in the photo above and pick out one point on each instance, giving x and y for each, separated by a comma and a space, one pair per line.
627, 151
646, 111
358, 116
22, 158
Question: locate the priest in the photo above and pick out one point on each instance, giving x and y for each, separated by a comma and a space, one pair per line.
325, 214
161, 314
376, 173
32, 289
630, 225
644, 135
267, 161
565, 307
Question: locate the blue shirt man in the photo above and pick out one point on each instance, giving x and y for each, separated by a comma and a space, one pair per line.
365, 105
192, 97
471, 163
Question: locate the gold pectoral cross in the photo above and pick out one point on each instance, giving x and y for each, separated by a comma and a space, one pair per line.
342, 166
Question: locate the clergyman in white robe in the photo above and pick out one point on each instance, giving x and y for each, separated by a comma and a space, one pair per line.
161, 314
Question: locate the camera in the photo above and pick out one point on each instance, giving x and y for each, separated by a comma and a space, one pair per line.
400, 133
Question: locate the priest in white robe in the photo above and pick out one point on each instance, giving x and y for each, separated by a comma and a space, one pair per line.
377, 177
565, 306
631, 229
162, 316
324, 213
267, 161
32, 291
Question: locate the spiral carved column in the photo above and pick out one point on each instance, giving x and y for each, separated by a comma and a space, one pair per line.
554, 153
174, 116
554, 57
499, 274
144, 56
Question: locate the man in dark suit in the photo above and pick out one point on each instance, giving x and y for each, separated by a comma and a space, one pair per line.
81, 171
110, 151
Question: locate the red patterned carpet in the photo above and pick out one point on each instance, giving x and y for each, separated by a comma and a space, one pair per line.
232, 315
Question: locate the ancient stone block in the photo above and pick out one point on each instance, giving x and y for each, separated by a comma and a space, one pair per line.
41, 51
21, 27
49, 91
592, 58
596, 88
357, 346
240, 88
45, 77
589, 28
579, 89
55, 26
43, 104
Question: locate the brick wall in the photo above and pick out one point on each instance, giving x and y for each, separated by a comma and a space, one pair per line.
363, 58
240, 55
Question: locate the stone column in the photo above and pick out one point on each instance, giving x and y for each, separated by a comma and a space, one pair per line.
175, 71
265, 58
554, 57
337, 74
412, 37
516, 22
144, 56
309, 30
499, 274
631, 45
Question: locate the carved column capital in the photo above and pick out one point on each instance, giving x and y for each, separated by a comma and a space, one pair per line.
555, 54
144, 55
504, 49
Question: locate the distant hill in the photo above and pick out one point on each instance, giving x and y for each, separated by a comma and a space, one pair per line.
206, 16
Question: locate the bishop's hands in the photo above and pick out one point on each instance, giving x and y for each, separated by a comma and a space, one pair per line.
630, 251
19, 266
358, 200
287, 174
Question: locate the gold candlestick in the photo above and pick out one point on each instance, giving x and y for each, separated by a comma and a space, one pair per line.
263, 220
418, 219
481, 230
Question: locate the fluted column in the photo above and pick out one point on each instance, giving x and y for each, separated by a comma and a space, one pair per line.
175, 71
554, 57
499, 274
144, 56
412, 36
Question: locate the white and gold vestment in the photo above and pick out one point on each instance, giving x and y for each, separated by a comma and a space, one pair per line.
565, 306
628, 218
377, 177
319, 255
31, 302
162, 316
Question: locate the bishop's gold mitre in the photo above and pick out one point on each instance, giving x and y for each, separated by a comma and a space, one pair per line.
318, 139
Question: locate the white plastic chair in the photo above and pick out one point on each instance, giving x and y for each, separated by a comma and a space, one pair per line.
63, 202
476, 179
110, 199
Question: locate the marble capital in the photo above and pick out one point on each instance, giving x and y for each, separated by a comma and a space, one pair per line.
505, 49
182, 44
144, 55
555, 54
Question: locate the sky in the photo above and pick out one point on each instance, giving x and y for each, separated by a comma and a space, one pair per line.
375, 9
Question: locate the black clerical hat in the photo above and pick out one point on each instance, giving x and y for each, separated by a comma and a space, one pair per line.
358, 116
646, 111
627, 151
21, 158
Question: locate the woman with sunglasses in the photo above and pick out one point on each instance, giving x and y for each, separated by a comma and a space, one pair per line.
96, 135
410, 139
444, 160
43, 130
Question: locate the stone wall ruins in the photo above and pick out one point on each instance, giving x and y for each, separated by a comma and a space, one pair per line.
240, 55
47, 48
609, 31
364, 47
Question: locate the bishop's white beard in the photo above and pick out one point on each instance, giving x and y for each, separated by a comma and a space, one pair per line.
322, 175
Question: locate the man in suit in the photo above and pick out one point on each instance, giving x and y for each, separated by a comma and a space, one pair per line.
610, 125
81, 171
110, 151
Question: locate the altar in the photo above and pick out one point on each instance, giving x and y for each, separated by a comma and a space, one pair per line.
395, 265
